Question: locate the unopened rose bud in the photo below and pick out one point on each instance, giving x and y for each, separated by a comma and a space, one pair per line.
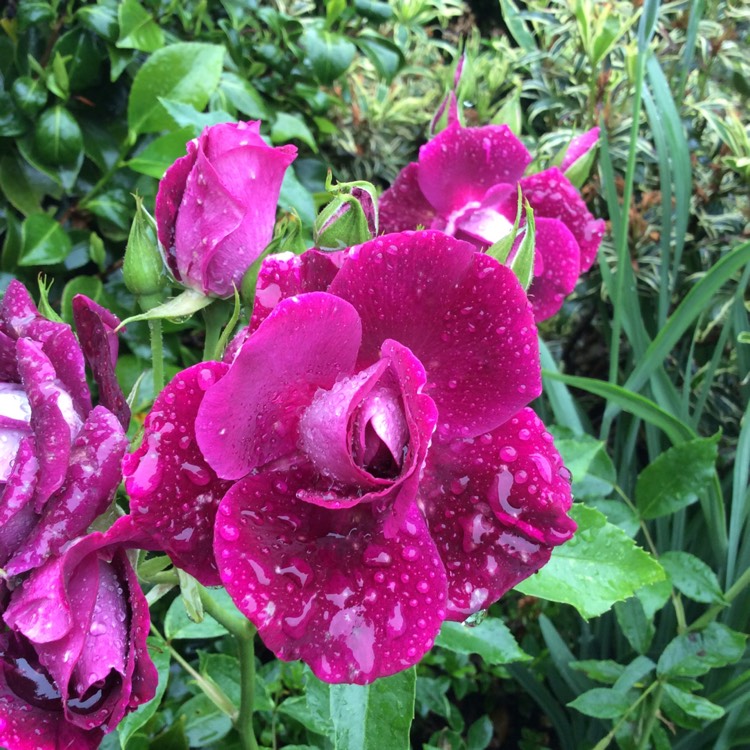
350, 218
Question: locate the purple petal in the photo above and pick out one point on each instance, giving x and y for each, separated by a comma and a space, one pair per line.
173, 491
91, 480
251, 415
8, 369
286, 275
17, 516
403, 206
330, 586
96, 331
462, 314
227, 136
496, 506
579, 146
558, 268
460, 165
553, 196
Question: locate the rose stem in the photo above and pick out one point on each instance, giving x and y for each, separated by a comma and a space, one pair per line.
214, 317
157, 355
244, 633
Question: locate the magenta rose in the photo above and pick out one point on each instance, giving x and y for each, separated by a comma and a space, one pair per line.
59, 456
216, 207
465, 184
73, 658
363, 463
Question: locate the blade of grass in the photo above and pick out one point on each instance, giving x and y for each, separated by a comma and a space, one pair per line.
740, 496
562, 403
696, 13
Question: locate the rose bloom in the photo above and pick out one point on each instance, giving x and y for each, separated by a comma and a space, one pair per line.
465, 183
73, 658
216, 207
363, 460
59, 456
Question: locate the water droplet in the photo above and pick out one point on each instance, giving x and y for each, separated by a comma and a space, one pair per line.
410, 553
508, 454
229, 532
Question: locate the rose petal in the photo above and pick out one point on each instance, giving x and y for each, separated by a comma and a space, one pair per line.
553, 196
560, 258
579, 146
173, 492
463, 315
286, 275
17, 516
250, 416
8, 369
460, 164
403, 206
329, 587
96, 332
226, 136
90, 482
496, 506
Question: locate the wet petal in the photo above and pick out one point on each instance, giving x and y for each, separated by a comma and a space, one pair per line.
330, 587
496, 505
91, 480
560, 262
463, 315
459, 165
286, 275
173, 491
96, 332
251, 415
17, 516
403, 206
553, 196
580, 146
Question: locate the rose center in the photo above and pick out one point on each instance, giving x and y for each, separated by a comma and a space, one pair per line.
28, 679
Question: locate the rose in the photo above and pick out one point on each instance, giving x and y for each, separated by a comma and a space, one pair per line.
73, 660
368, 450
59, 457
216, 207
465, 184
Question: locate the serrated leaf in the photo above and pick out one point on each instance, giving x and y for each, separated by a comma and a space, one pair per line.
654, 596
676, 478
601, 703
204, 723
694, 705
604, 670
692, 577
599, 566
491, 639
181, 306
43, 241
694, 654
635, 626
375, 716
186, 72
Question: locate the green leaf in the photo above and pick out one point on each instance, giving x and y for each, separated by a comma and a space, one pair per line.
161, 153
58, 140
694, 654
242, 96
138, 30
517, 26
375, 716
292, 127
183, 305
635, 626
299, 709
204, 723
132, 722
654, 596
101, 19
586, 458
599, 566
480, 734
385, 56
522, 264
602, 703
510, 112
91, 286
12, 122
676, 478
43, 241
491, 639
605, 670
694, 705
294, 196
186, 72
29, 94
178, 626
17, 186
187, 116
329, 53
692, 577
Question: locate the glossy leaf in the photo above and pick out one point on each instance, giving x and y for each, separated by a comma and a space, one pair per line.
692, 577
491, 639
329, 53
138, 30
602, 703
43, 242
694, 654
178, 626
58, 140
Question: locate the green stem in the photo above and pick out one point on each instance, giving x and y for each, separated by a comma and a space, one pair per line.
107, 176
651, 719
732, 593
244, 633
604, 742
213, 315
157, 355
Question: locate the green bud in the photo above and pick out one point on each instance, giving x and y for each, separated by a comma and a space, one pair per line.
143, 269
350, 218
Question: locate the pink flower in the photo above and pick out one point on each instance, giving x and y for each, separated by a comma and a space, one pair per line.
465, 184
363, 461
59, 455
73, 658
216, 207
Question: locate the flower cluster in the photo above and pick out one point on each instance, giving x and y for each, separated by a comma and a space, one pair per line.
466, 185
72, 651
